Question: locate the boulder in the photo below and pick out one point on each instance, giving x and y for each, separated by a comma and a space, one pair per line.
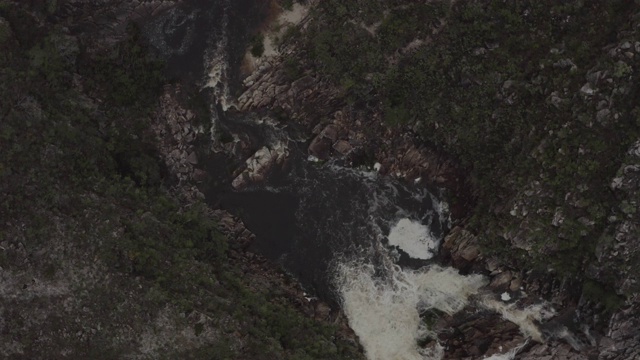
330, 132
192, 158
461, 245
320, 147
501, 281
260, 164
342, 146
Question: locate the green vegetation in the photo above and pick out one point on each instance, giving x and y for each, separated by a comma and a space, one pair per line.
287, 4
83, 187
596, 292
289, 33
5, 31
257, 45
126, 73
497, 85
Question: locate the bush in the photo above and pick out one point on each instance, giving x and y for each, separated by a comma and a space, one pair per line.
257, 45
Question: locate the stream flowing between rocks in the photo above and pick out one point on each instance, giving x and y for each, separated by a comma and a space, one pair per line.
352, 237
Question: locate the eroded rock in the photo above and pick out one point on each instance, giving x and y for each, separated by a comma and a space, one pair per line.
260, 164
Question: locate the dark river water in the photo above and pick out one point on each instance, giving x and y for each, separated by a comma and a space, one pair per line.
313, 214
351, 237
307, 214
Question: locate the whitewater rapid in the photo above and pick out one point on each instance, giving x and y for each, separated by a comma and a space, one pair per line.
414, 238
384, 310
384, 304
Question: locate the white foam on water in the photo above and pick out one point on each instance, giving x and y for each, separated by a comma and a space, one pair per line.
413, 238
217, 76
525, 318
383, 305
217, 73
217, 67
441, 207
364, 174
385, 311
509, 355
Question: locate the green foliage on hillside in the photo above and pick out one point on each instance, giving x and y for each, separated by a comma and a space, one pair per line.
500, 86
257, 45
83, 187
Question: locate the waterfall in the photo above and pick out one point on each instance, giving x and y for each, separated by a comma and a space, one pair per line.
383, 304
524, 318
384, 309
217, 65
384, 301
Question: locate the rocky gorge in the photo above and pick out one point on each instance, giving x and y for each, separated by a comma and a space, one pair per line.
307, 112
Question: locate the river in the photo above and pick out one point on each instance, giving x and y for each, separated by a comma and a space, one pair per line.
352, 237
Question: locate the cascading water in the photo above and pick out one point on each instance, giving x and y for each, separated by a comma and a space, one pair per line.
217, 64
384, 310
384, 304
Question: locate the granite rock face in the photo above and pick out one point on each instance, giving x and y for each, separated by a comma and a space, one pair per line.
622, 340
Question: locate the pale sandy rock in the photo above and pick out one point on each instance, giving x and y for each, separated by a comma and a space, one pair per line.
258, 166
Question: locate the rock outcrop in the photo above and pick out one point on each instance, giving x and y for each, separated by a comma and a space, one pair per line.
260, 164
176, 132
337, 129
